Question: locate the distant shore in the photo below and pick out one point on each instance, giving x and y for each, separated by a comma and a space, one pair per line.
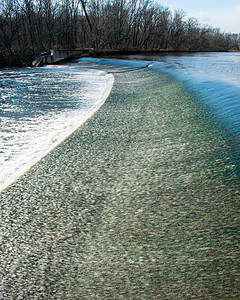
18, 60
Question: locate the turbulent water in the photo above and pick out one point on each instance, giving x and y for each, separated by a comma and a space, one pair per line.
142, 201
39, 108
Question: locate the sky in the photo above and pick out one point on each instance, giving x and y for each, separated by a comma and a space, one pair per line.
223, 14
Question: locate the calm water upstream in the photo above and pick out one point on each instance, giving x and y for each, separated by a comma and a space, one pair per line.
140, 202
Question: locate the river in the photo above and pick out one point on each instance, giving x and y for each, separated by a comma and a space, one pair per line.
139, 202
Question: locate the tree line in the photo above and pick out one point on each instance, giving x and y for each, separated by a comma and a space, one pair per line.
28, 27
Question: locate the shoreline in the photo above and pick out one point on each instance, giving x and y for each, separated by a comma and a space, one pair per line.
26, 61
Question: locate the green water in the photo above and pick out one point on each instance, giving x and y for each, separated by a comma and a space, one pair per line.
140, 203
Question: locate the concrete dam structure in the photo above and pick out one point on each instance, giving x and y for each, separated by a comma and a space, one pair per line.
54, 56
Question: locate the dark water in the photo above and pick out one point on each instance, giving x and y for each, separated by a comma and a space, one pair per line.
141, 202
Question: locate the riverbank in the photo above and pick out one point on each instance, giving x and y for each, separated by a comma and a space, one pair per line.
139, 203
7, 61
27, 60
55, 56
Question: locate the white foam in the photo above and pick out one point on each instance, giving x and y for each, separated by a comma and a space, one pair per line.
54, 129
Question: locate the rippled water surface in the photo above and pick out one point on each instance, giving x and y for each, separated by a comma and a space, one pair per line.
214, 77
141, 202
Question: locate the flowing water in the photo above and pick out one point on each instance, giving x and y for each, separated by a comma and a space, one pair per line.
142, 201
214, 77
39, 108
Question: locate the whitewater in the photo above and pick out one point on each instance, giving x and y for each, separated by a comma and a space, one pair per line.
39, 108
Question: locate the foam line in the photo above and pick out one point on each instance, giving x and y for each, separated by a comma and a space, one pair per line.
64, 135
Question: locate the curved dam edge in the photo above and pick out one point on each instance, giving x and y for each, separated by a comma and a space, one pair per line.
109, 84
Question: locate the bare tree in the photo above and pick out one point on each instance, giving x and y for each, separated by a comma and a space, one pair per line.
31, 26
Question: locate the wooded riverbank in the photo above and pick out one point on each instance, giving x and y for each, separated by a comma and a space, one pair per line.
28, 28
15, 60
